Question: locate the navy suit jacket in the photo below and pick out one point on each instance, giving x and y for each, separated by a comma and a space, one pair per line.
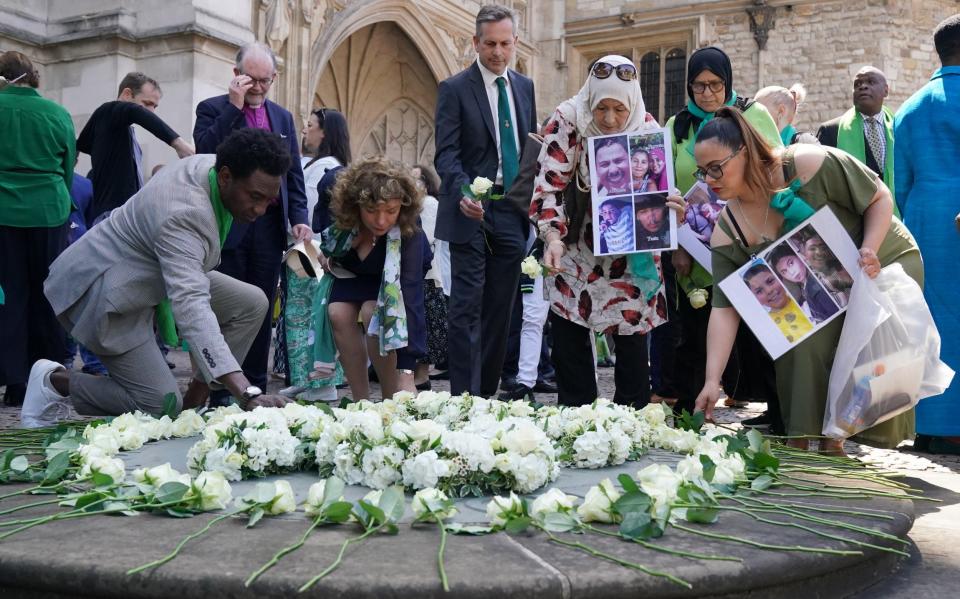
466, 144
217, 118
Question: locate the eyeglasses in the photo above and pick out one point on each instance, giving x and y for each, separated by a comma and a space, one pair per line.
602, 70
699, 87
714, 171
262, 82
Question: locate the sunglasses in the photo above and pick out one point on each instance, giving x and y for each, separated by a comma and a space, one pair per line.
602, 70
321, 114
715, 171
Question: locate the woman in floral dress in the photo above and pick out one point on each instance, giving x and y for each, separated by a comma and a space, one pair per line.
619, 294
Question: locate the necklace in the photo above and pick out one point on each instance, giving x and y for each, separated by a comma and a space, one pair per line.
766, 215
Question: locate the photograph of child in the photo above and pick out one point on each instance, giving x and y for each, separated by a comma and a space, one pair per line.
827, 267
776, 301
612, 166
703, 210
653, 221
648, 163
616, 226
802, 284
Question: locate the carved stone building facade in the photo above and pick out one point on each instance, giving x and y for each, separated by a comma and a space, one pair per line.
380, 61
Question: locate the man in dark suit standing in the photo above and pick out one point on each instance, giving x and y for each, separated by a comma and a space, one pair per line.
866, 130
110, 140
252, 253
483, 115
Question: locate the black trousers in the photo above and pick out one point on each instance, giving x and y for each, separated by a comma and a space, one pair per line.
485, 274
573, 361
665, 339
28, 327
257, 260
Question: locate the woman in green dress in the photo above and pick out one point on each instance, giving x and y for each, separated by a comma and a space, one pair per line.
770, 191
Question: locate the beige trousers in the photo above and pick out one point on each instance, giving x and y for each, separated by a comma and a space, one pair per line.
140, 378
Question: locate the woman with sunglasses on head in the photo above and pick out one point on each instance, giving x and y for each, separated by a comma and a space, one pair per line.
769, 191
709, 88
618, 294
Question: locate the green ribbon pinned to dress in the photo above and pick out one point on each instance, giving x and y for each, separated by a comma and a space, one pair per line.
793, 208
644, 272
705, 117
850, 139
166, 325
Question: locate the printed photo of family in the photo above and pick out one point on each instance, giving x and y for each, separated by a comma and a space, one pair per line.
648, 163
703, 210
797, 285
631, 176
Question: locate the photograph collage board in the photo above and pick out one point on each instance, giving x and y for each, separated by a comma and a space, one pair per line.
797, 285
631, 175
703, 210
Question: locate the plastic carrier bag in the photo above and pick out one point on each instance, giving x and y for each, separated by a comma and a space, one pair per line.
888, 358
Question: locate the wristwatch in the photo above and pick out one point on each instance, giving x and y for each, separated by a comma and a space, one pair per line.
250, 393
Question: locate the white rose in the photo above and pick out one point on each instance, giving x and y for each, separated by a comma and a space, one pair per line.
105, 438
431, 500
164, 473
480, 186
314, 504
284, 501
499, 506
212, 490
597, 506
524, 438
698, 298
424, 430
553, 500
530, 267
187, 424
373, 497
112, 467
690, 468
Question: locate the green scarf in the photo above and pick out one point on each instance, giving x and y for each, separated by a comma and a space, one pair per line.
166, 326
786, 136
389, 322
705, 117
850, 139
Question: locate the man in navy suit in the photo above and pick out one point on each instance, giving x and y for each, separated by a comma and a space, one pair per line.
484, 114
253, 252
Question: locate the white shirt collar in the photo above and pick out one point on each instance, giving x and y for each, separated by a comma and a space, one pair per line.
489, 77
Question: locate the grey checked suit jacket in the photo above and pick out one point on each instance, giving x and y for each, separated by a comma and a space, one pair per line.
161, 243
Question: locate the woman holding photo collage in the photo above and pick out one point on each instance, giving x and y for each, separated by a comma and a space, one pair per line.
769, 192
619, 294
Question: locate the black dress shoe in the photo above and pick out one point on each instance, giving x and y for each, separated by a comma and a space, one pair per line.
543, 386
425, 386
757, 421
518, 392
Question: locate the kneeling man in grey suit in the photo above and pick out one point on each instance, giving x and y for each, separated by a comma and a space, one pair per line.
162, 243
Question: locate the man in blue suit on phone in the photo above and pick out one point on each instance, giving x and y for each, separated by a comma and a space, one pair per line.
252, 253
484, 115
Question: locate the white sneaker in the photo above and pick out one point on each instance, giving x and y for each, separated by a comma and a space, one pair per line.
42, 405
326, 394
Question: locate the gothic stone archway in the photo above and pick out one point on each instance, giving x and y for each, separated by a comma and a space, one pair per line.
381, 82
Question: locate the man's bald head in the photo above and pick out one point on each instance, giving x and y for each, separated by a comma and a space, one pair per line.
870, 89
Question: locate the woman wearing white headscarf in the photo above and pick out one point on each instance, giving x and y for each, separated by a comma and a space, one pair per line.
621, 295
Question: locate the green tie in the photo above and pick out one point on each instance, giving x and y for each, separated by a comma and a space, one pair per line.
508, 144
